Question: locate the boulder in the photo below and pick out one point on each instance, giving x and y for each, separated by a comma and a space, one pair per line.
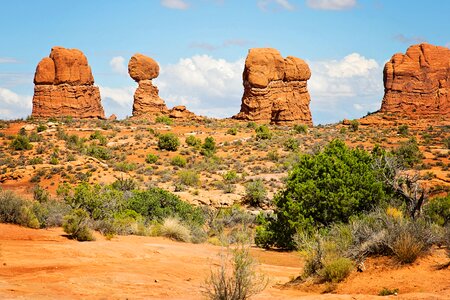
275, 89
64, 87
181, 112
141, 67
417, 83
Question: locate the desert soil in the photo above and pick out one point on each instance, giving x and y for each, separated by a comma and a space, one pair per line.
44, 264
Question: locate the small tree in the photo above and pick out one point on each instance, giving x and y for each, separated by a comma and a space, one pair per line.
168, 141
21, 142
209, 146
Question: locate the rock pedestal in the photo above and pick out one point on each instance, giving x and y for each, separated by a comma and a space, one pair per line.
275, 89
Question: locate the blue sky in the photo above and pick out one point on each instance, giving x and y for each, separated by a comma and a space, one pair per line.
201, 47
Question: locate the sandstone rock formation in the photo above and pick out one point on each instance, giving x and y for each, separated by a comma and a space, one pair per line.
180, 112
275, 89
64, 86
146, 99
417, 84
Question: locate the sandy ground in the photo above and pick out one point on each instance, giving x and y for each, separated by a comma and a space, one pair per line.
44, 264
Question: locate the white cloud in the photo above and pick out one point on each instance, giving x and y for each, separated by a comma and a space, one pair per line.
331, 4
118, 66
13, 105
344, 88
175, 4
284, 4
204, 84
121, 96
8, 60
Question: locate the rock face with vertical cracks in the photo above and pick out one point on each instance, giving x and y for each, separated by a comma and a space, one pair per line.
146, 99
275, 89
64, 86
417, 84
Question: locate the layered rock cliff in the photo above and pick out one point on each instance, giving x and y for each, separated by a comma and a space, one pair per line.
417, 83
64, 86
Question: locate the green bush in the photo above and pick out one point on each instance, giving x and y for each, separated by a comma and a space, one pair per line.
437, 210
76, 224
408, 153
354, 125
99, 152
232, 131
255, 193
192, 141
231, 176
158, 204
263, 132
151, 158
41, 127
35, 161
300, 128
178, 161
327, 187
291, 144
21, 142
97, 135
403, 130
209, 146
188, 177
168, 141
16, 210
387, 292
337, 269
164, 120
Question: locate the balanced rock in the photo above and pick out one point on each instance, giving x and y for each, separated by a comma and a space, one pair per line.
417, 84
275, 89
146, 98
64, 86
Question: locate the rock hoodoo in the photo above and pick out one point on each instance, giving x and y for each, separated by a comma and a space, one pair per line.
64, 86
275, 89
146, 99
417, 84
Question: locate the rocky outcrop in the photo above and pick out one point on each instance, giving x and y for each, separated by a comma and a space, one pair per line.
275, 89
417, 84
146, 99
64, 86
181, 112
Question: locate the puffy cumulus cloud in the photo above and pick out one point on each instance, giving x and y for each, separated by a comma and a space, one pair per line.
206, 85
13, 105
175, 4
331, 4
118, 101
345, 88
118, 66
284, 4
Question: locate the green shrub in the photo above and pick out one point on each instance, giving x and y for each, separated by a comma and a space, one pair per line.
437, 210
337, 269
231, 176
446, 142
41, 127
323, 188
97, 135
124, 166
291, 144
255, 193
35, 161
54, 160
408, 153
188, 178
232, 131
387, 292
354, 125
192, 141
263, 132
158, 204
300, 128
151, 158
21, 142
209, 146
168, 141
124, 184
173, 229
76, 224
273, 155
403, 130
99, 152
236, 278
178, 161
16, 210
164, 120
